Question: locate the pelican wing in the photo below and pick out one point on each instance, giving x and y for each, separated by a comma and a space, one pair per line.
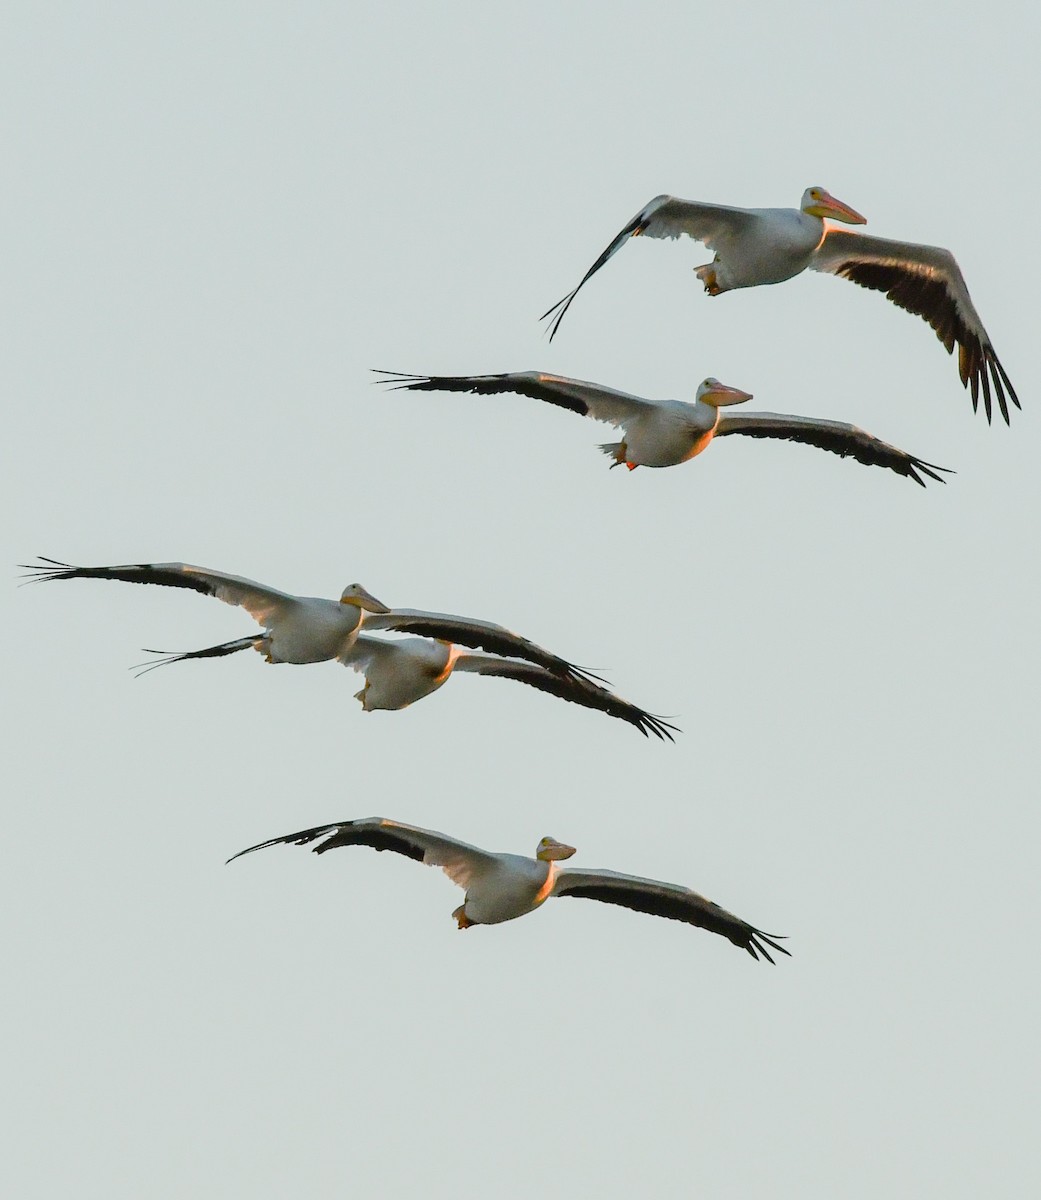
586, 399
458, 860
927, 281
664, 217
259, 601
254, 642
577, 690
468, 632
366, 652
665, 900
836, 436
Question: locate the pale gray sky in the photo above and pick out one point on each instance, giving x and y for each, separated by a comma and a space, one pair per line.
216, 223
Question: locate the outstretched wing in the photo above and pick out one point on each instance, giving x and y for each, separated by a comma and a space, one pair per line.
577, 396
469, 632
664, 217
458, 860
927, 281
665, 900
262, 603
835, 436
576, 690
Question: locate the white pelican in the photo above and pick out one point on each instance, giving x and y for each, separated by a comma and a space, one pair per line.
756, 246
308, 629
398, 673
401, 671
500, 887
662, 433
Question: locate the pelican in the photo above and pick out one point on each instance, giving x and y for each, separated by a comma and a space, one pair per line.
308, 629
500, 887
756, 246
401, 671
663, 433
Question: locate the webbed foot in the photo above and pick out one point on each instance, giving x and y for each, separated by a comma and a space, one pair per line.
707, 275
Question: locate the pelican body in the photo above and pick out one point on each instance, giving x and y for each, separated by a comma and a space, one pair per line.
398, 673
673, 431
758, 246
313, 629
511, 886
501, 887
777, 245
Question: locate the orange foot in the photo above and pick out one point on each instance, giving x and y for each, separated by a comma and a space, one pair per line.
632, 466
707, 275
461, 919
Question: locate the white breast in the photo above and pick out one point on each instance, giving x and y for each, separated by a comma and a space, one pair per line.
779, 245
669, 434
512, 887
313, 630
395, 681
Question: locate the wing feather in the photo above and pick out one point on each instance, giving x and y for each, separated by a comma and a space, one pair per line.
663, 217
926, 281
259, 601
467, 631
254, 642
668, 900
457, 859
576, 690
576, 395
838, 437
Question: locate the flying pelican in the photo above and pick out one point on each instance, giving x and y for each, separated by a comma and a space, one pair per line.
307, 629
755, 246
401, 671
662, 433
500, 887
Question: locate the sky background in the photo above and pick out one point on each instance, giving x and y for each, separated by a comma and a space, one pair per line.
218, 219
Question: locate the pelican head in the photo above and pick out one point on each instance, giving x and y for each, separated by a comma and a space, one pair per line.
711, 391
819, 202
358, 596
550, 849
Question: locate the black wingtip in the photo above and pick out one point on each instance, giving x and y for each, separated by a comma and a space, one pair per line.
584, 673
758, 939
659, 727
1000, 374
300, 838
399, 381
929, 470
560, 308
35, 573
